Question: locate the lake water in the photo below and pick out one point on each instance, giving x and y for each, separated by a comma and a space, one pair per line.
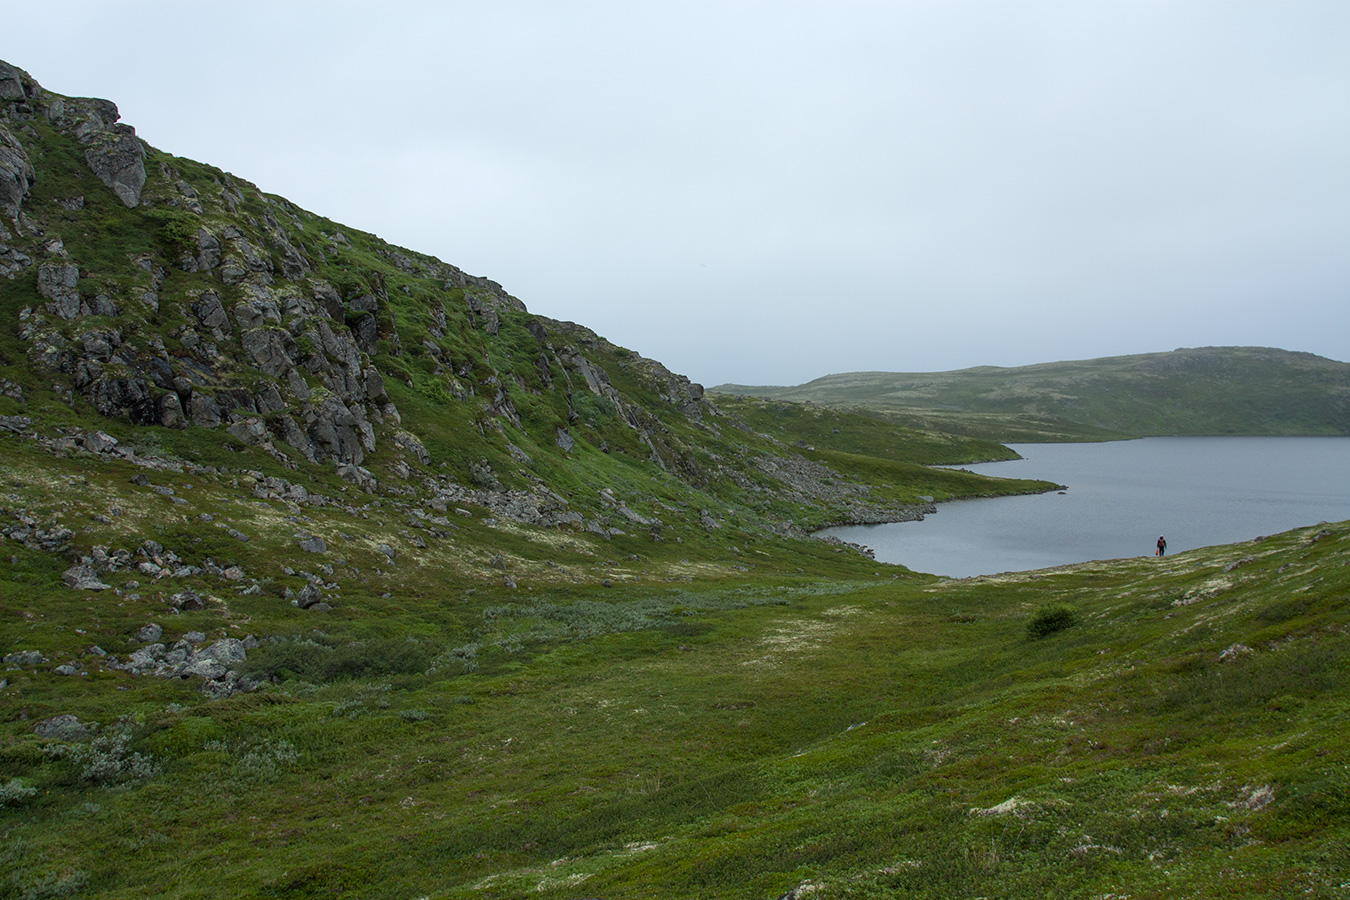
1120, 497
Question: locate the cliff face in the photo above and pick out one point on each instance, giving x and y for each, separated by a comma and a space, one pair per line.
152, 296
162, 292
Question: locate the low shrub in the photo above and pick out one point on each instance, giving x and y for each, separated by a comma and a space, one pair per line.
1049, 619
320, 658
15, 792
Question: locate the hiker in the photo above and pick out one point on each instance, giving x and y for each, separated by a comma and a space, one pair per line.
1162, 546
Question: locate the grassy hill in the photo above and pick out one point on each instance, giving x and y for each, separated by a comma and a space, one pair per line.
328, 570
1205, 391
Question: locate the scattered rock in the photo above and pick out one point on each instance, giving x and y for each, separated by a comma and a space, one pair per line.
309, 596
150, 633
313, 544
82, 577
24, 659
186, 601
62, 728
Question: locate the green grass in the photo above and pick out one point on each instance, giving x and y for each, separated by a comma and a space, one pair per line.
720, 738
1204, 391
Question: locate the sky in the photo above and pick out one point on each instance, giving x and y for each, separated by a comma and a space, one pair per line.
769, 192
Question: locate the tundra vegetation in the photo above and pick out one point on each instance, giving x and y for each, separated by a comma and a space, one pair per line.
1192, 391
328, 570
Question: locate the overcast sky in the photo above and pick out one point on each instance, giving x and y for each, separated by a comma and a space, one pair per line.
768, 192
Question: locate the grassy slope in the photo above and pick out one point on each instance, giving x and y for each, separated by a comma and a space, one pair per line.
737, 737
1212, 390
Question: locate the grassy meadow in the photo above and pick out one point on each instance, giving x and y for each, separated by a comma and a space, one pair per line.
789, 717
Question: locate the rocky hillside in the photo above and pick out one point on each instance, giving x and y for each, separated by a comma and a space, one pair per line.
191, 315
1203, 391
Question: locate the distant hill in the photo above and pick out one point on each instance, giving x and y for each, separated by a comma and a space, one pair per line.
1202, 391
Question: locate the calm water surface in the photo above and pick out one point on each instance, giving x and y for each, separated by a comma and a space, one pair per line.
1121, 496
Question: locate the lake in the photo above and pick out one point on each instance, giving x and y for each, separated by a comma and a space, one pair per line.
1195, 491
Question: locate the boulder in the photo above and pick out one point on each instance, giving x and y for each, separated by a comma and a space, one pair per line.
208, 250
210, 312
99, 442
267, 349
336, 432
249, 431
16, 174
186, 601
149, 634
312, 543
366, 332
23, 659
62, 728
204, 410
309, 596
57, 282
11, 83
117, 157
169, 411
112, 395
82, 577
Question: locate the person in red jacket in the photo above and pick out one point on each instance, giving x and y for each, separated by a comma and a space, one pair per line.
1162, 546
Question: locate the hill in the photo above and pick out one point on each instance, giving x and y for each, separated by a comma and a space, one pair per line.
1205, 391
329, 570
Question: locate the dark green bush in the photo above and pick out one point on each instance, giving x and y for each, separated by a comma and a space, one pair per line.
321, 658
1049, 619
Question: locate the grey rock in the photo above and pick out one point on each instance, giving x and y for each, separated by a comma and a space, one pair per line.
313, 544
365, 331
12, 82
267, 349
117, 157
62, 728
366, 303
112, 395
57, 283
210, 312
413, 445
149, 634
226, 650
146, 659
564, 440
16, 173
208, 251
361, 477
82, 577
204, 667
66, 669
169, 411
99, 442
270, 400
204, 410
23, 659
249, 431
336, 432
374, 385
309, 596
186, 601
